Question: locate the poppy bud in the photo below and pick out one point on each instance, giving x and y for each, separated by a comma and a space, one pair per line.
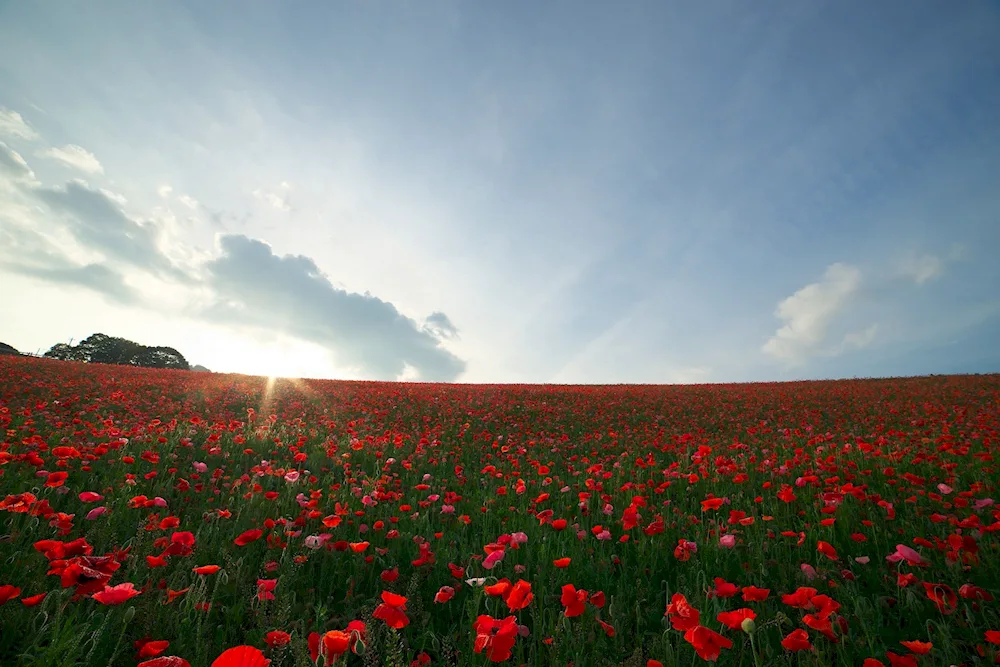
359, 647
129, 614
748, 625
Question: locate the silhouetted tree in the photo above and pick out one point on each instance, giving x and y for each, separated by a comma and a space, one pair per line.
63, 352
7, 349
103, 349
160, 357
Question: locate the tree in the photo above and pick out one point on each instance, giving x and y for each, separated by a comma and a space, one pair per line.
160, 357
7, 349
63, 352
103, 349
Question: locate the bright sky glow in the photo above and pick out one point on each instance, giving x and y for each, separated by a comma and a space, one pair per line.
507, 192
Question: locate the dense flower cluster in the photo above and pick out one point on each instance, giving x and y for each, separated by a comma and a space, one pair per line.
169, 519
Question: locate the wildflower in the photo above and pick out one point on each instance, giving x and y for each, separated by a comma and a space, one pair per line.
495, 637
247, 537
115, 595
573, 600
444, 594
682, 615
734, 619
241, 656
797, 640
392, 610
707, 643
277, 638
8, 592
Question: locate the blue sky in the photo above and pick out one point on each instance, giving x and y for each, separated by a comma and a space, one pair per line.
648, 192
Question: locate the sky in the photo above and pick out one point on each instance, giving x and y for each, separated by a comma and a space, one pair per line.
560, 192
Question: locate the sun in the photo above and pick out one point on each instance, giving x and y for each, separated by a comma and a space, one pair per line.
273, 358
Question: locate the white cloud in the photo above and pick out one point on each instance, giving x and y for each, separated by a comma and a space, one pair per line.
858, 339
278, 200
76, 157
13, 125
921, 269
164, 191
13, 165
924, 268
190, 202
808, 314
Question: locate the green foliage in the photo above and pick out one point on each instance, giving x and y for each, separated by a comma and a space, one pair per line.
103, 349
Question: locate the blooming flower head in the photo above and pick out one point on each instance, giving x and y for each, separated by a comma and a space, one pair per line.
392, 610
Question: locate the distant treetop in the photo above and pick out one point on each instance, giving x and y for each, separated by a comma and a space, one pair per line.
103, 349
7, 349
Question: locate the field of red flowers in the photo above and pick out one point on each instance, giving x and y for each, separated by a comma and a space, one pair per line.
167, 518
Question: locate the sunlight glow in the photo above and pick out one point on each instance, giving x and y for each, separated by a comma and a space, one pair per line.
271, 357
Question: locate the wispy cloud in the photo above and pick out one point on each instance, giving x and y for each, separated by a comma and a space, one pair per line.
13, 125
276, 199
13, 165
808, 314
76, 157
923, 268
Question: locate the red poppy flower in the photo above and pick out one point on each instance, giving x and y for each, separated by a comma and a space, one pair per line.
800, 599
827, 550
573, 600
392, 610
206, 569
165, 661
33, 600
444, 594
561, 562
56, 479
734, 619
496, 637
970, 592
597, 599
754, 594
942, 596
498, 589
115, 595
241, 656
918, 647
248, 536
797, 640
333, 644
724, 589
682, 615
901, 660
707, 643
712, 504
276, 638
153, 648
609, 630
8, 592
520, 596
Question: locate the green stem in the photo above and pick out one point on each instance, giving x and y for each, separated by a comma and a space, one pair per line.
753, 649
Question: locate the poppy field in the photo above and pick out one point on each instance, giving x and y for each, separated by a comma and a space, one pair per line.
168, 518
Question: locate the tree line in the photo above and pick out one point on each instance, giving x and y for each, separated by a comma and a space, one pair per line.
103, 349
